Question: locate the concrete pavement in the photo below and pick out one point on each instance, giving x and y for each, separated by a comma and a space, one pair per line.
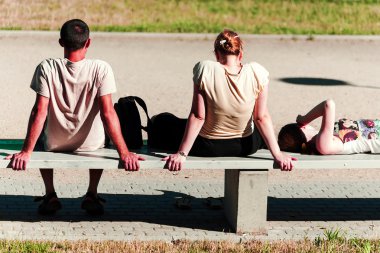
158, 68
141, 206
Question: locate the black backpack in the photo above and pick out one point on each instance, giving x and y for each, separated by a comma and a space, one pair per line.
165, 130
130, 121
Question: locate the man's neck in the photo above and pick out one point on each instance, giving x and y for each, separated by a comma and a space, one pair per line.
75, 56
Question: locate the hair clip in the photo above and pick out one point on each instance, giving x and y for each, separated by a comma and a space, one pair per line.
222, 42
303, 147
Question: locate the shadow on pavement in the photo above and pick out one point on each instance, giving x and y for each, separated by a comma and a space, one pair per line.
322, 82
313, 81
158, 209
323, 209
161, 209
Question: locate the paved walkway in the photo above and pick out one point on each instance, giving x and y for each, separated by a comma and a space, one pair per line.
158, 68
302, 204
141, 206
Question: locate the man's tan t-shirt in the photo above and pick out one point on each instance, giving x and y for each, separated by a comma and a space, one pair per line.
230, 98
73, 122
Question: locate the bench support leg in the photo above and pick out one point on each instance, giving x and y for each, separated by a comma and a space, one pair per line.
245, 200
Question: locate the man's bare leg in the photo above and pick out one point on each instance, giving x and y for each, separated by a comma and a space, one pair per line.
91, 202
50, 203
47, 176
95, 175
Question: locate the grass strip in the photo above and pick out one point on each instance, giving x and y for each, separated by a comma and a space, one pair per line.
336, 244
198, 16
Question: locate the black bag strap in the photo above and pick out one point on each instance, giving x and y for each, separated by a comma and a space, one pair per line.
142, 104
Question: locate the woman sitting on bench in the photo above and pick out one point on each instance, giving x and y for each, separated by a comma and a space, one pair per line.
342, 137
229, 114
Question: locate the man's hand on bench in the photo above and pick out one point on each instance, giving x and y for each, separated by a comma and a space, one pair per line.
19, 160
130, 161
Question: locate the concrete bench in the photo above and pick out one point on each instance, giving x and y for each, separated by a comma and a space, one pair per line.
246, 178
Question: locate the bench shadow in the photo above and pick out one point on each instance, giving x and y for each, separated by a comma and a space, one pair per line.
142, 151
161, 210
156, 209
323, 209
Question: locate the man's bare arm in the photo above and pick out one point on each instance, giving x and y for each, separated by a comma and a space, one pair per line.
36, 123
112, 126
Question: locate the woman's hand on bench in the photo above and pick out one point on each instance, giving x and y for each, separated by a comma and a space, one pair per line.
19, 160
286, 162
175, 161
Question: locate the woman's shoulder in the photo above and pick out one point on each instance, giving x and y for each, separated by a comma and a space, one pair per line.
257, 67
206, 63
260, 73
206, 67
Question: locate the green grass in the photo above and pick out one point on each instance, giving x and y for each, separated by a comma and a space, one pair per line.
199, 16
26, 246
333, 241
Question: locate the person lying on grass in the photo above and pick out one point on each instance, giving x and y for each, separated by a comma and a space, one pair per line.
344, 136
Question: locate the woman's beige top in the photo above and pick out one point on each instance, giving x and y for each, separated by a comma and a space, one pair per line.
229, 98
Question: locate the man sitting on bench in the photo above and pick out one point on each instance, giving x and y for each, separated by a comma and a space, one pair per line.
73, 98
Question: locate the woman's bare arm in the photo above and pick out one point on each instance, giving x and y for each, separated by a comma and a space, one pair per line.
263, 121
194, 124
